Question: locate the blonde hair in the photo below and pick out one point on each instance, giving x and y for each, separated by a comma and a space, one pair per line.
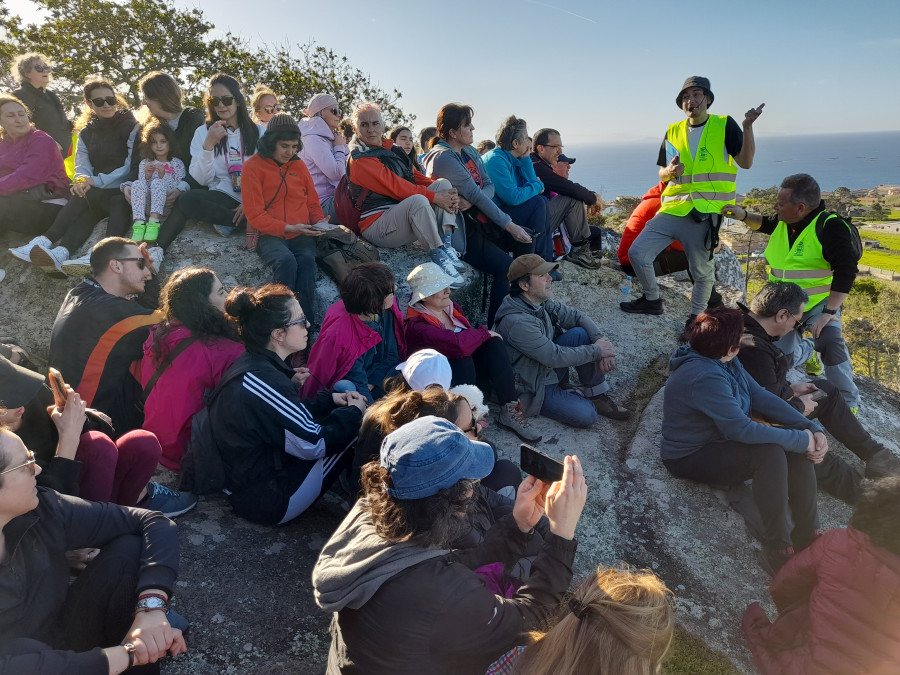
259, 93
618, 622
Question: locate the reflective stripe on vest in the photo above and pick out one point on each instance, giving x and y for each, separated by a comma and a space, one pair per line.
802, 263
708, 181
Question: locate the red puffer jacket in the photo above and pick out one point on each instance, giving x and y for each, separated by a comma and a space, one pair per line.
838, 611
424, 331
639, 218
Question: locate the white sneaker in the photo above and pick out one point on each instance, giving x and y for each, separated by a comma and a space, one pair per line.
50, 259
23, 252
78, 267
157, 257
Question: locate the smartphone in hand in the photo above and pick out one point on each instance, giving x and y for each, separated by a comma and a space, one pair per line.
57, 386
818, 395
539, 465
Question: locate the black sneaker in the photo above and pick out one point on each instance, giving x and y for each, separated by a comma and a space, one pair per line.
771, 560
715, 300
643, 306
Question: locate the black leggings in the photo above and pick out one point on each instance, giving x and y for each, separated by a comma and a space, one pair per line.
784, 485
210, 206
492, 257
28, 216
489, 369
76, 220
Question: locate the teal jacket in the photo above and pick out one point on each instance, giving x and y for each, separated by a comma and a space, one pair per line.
514, 179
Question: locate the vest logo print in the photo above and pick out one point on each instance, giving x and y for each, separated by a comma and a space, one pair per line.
703, 154
798, 248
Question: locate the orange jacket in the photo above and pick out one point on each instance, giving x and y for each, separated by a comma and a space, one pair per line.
295, 199
371, 174
639, 218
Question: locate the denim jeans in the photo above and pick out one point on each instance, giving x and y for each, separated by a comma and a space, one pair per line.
569, 406
831, 345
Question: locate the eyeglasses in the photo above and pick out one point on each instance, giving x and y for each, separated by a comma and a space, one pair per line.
558, 145
797, 321
302, 321
101, 101
30, 464
43, 69
270, 108
224, 100
141, 262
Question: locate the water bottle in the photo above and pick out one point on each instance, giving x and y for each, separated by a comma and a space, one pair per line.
626, 289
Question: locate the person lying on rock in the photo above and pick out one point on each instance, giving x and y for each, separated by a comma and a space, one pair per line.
774, 312
543, 338
403, 602
710, 434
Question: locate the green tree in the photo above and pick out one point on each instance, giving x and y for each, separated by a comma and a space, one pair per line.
123, 42
840, 201
759, 200
876, 212
625, 205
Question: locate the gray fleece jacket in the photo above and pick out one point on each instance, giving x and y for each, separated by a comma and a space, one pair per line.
707, 400
528, 331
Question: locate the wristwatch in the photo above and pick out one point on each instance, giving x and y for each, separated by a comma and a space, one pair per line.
829, 311
151, 602
130, 649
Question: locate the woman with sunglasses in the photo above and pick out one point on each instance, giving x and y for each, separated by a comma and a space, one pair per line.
324, 148
115, 614
185, 356
218, 152
106, 137
279, 452
33, 72
264, 104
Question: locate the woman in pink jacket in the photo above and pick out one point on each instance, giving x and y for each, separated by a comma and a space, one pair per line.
324, 148
203, 343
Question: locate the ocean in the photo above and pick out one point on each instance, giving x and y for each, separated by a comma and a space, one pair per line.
861, 160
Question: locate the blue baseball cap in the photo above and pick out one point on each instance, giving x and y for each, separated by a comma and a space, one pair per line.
430, 454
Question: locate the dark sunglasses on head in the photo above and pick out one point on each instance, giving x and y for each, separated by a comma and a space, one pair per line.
43, 69
29, 455
302, 321
141, 262
224, 100
100, 101
273, 108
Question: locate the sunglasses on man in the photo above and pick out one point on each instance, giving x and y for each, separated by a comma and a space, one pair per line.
101, 101
223, 100
30, 464
141, 262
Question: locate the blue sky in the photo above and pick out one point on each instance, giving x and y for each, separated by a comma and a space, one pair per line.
602, 72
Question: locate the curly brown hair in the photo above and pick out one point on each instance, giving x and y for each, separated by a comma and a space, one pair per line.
876, 513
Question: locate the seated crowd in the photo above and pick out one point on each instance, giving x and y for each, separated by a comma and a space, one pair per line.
448, 561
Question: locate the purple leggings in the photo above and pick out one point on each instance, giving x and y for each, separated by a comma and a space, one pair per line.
117, 471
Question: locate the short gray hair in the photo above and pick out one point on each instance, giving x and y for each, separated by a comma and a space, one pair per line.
776, 296
513, 129
804, 189
23, 64
366, 106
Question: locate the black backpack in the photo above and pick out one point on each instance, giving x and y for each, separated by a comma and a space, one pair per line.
854, 232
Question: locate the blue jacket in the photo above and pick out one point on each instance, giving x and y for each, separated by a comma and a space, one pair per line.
707, 400
514, 179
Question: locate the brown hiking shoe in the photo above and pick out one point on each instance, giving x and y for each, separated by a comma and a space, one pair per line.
511, 417
583, 257
605, 406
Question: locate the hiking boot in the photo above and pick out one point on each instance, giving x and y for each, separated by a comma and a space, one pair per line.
883, 463
583, 257
771, 560
138, 230
715, 300
605, 406
643, 306
50, 260
156, 257
440, 258
168, 502
78, 267
814, 365
23, 252
511, 417
152, 232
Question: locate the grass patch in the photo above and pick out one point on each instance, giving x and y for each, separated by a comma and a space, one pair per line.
887, 239
881, 259
690, 655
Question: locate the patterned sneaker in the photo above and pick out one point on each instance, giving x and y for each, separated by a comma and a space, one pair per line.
50, 260
152, 233
512, 418
23, 252
814, 365
138, 231
156, 257
78, 267
454, 258
441, 259
168, 502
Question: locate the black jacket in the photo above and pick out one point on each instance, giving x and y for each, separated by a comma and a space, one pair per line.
35, 578
95, 339
555, 183
48, 114
766, 363
264, 432
107, 141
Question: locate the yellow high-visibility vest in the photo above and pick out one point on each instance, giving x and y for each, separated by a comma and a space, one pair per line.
801, 263
708, 180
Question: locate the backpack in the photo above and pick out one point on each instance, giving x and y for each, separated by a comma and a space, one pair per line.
855, 239
347, 210
340, 250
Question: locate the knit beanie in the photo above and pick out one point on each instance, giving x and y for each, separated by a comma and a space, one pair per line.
282, 122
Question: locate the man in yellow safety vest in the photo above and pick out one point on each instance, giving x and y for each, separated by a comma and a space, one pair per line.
698, 162
818, 251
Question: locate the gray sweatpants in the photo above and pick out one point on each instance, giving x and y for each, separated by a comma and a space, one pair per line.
573, 214
660, 232
415, 218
